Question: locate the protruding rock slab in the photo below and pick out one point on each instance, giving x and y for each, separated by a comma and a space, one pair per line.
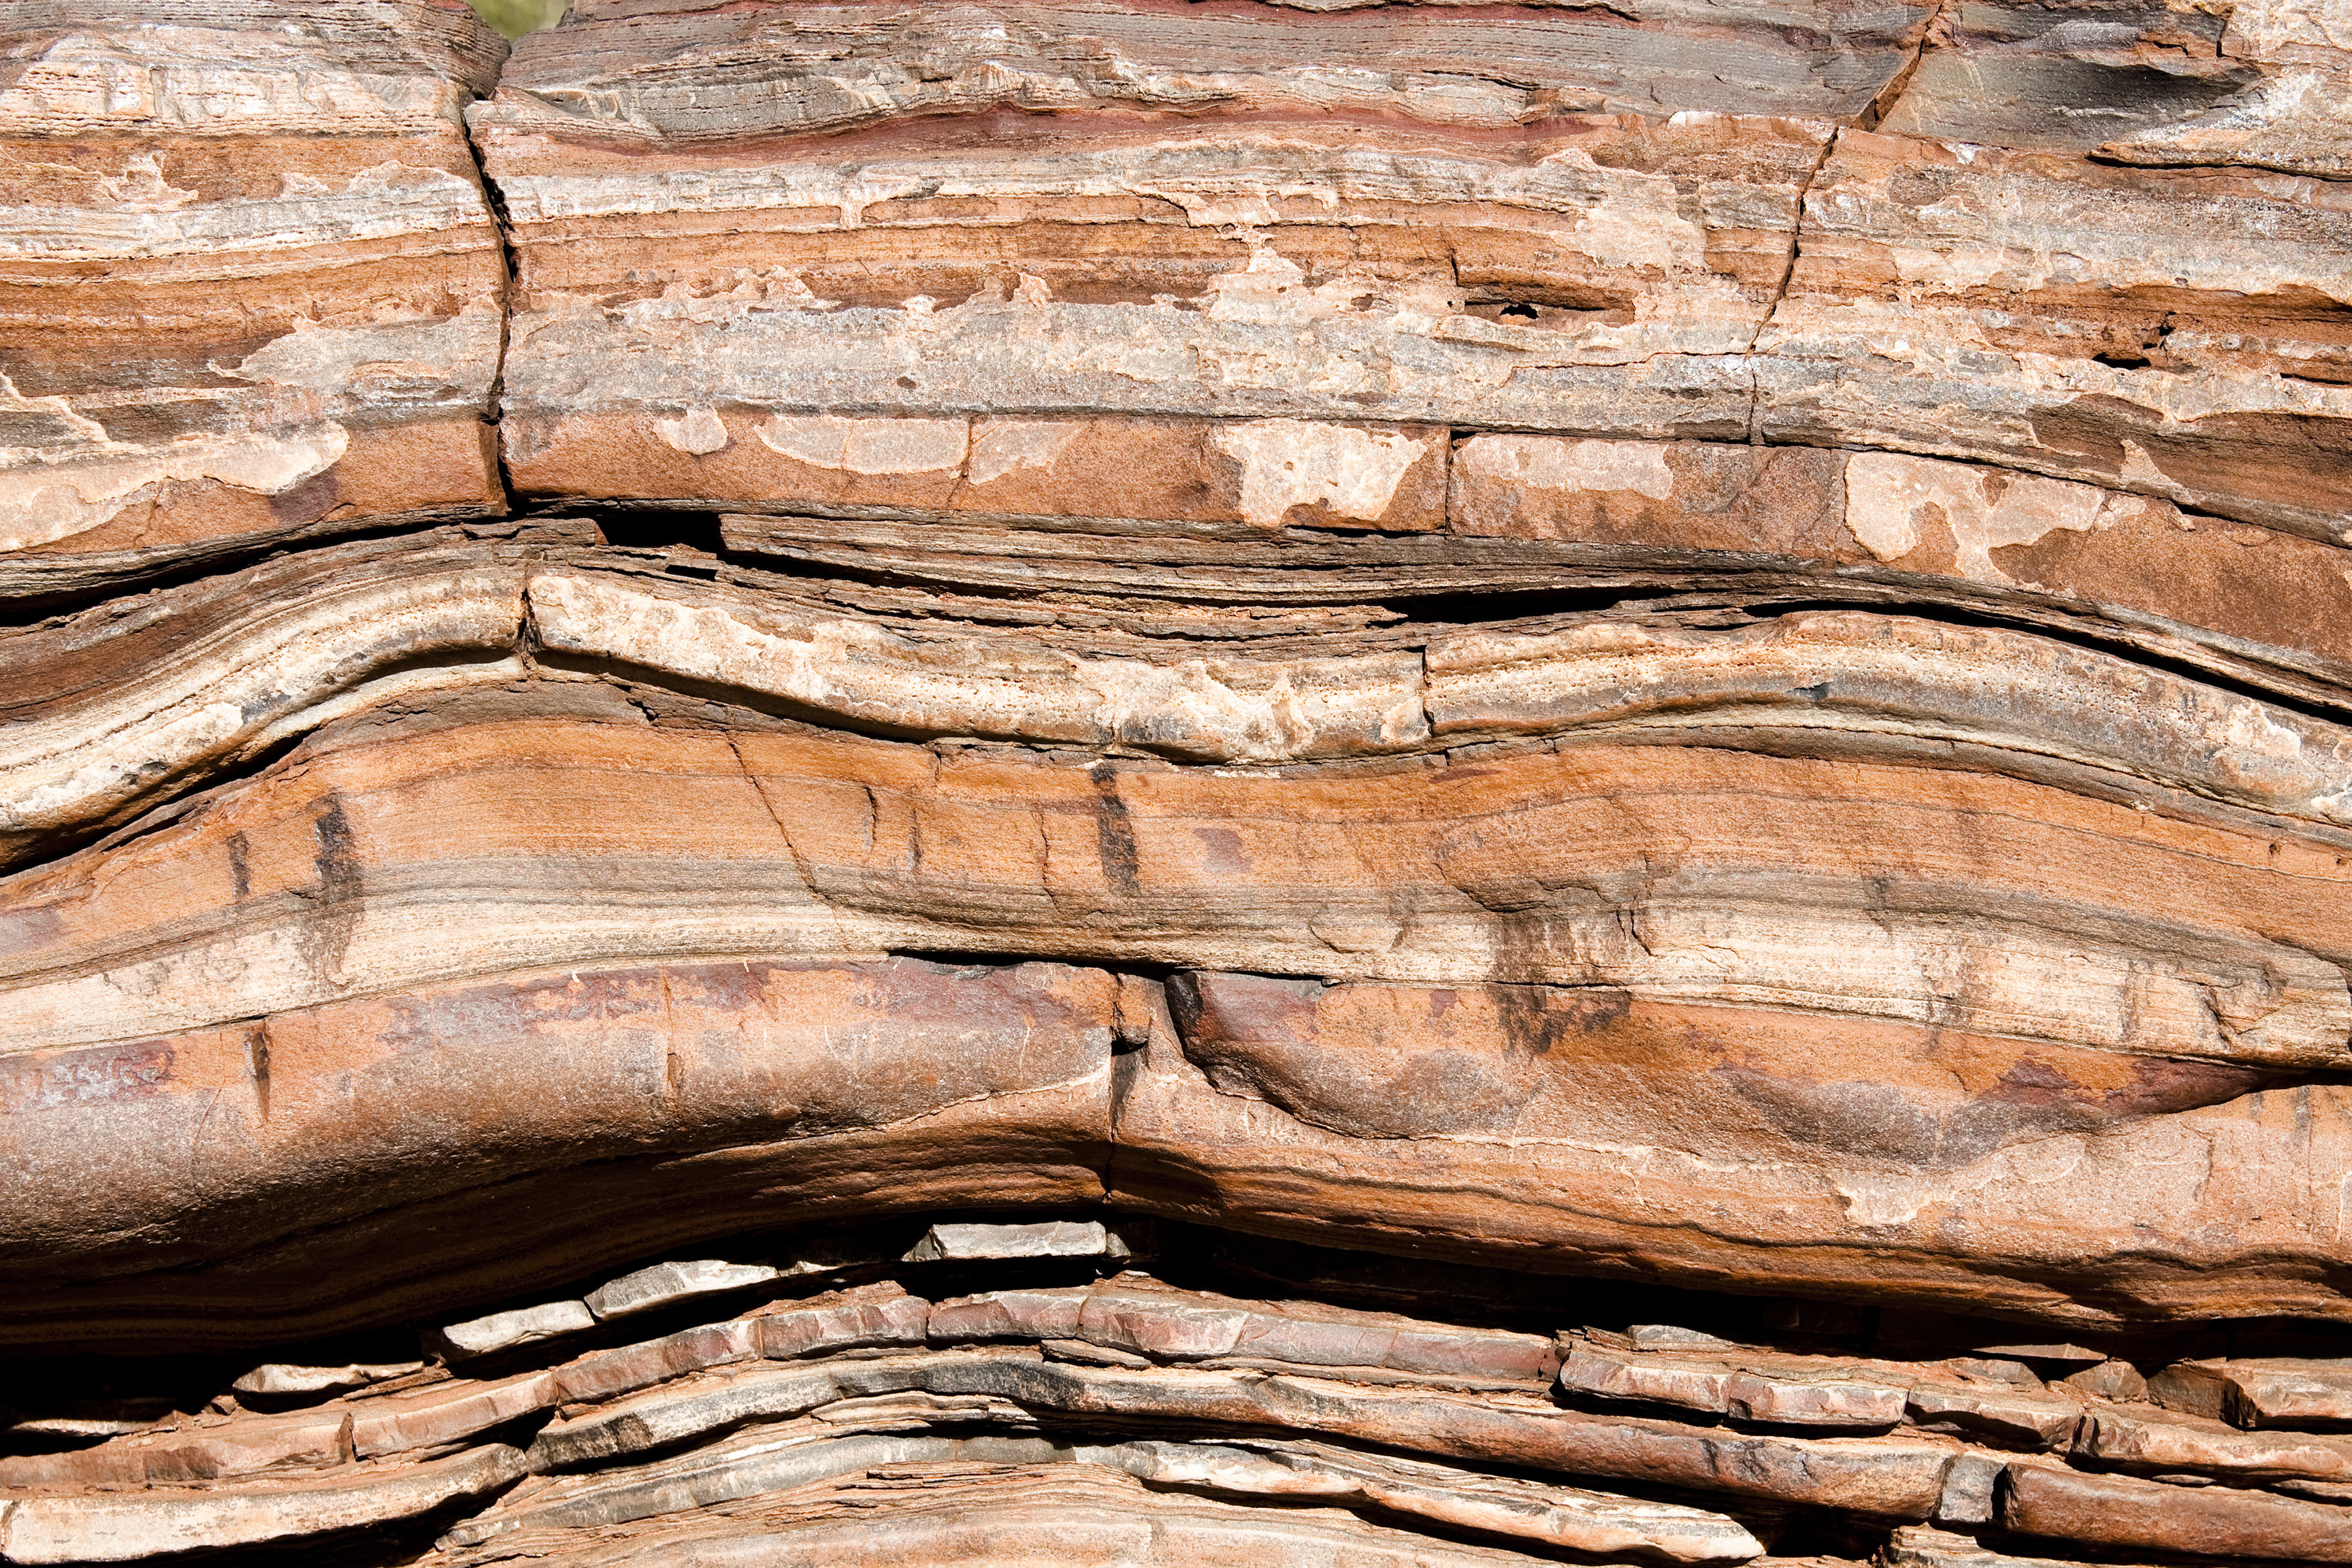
2264, 85
2016, 539
667, 1284
877, 236
1042, 1238
1140, 1316
520, 1326
992, 1507
669, 71
2117, 1512
123, 1526
1433, 1110
693, 312
2266, 1391
1175, 474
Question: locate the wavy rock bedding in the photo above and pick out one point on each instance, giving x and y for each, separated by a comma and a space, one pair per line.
1215, 783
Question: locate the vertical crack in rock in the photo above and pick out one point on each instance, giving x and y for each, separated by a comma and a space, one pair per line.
1884, 103
1788, 274
1114, 834
509, 282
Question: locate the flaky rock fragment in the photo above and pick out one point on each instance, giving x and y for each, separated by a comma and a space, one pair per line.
279, 1380
666, 1284
122, 1527
504, 1330
1051, 1239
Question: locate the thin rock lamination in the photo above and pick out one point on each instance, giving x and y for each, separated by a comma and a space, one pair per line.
1231, 784
251, 284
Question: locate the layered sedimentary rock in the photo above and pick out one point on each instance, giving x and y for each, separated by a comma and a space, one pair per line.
251, 284
1237, 782
1187, 240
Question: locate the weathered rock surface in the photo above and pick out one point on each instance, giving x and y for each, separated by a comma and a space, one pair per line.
1099, 781
999, 1505
253, 288
2264, 1392
459, 949
691, 316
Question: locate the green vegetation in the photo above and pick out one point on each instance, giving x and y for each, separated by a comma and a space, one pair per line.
516, 17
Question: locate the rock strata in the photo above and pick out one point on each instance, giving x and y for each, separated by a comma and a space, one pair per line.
253, 286
1265, 780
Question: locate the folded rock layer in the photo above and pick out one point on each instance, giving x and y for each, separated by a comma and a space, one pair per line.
1439, 784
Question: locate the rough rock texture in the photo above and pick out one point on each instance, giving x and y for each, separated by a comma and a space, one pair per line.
1228, 783
250, 284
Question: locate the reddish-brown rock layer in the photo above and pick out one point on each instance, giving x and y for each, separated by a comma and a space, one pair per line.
250, 285
1233, 783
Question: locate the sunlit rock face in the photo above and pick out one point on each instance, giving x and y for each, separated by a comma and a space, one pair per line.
252, 285
1212, 783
